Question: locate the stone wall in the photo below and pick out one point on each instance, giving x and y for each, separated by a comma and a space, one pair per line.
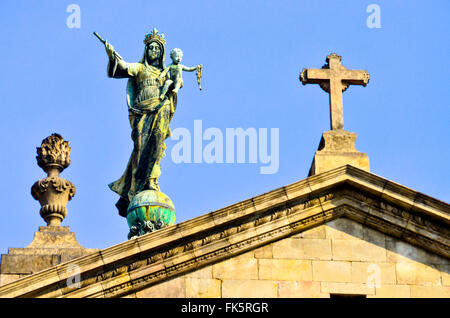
342, 257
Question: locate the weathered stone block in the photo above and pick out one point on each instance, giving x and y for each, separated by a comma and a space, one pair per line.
285, 269
430, 291
205, 272
203, 288
336, 149
317, 249
236, 268
374, 236
343, 228
249, 289
316, 232
174, 288
357, 250
286, 249
373, 273
332, 271
304, 289
51, 246
392, 291
264, 252
27, 264
293, 248
54, 236
417, 274
8, 278
399, 251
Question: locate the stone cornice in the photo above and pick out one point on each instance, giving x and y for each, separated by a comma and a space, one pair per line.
343, 192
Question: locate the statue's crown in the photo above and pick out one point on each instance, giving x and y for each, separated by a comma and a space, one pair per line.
154, 36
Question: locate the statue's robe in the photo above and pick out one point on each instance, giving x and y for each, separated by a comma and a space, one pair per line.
149, 119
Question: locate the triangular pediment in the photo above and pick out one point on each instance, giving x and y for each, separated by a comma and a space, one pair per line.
345, 192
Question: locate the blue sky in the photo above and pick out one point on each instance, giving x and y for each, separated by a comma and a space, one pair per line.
54, 80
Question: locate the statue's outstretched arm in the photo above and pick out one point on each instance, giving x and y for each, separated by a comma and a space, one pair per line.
189, 69
117, 67
116, 62
114, 56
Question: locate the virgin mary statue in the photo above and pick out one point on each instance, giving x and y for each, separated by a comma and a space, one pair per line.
149, 118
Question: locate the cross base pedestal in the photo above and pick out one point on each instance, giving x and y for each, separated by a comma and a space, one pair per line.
336, 149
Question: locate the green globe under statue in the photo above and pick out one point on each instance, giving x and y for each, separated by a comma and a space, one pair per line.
149, 210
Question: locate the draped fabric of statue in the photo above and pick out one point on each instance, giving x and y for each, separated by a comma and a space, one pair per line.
149, 119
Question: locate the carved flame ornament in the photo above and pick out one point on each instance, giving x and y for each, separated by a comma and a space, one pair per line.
53, 192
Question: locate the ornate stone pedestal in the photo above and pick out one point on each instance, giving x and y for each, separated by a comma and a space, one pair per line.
51, 246
148, 211
337, 148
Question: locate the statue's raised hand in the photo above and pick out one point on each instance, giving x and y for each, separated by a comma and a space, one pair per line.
109, 49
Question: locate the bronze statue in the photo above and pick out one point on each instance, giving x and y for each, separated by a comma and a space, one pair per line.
150, 112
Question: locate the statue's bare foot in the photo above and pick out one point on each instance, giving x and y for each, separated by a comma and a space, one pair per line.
175, 92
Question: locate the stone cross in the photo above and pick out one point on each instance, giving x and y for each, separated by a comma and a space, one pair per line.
334, 79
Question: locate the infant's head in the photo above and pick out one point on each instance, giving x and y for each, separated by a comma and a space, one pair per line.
176, 55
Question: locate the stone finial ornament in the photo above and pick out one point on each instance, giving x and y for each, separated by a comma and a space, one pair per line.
53, 192
53, 153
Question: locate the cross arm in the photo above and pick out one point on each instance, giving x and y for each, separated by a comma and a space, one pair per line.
355, 77
314, 76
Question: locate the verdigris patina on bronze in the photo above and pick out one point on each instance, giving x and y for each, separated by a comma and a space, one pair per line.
152, 99
175, 70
